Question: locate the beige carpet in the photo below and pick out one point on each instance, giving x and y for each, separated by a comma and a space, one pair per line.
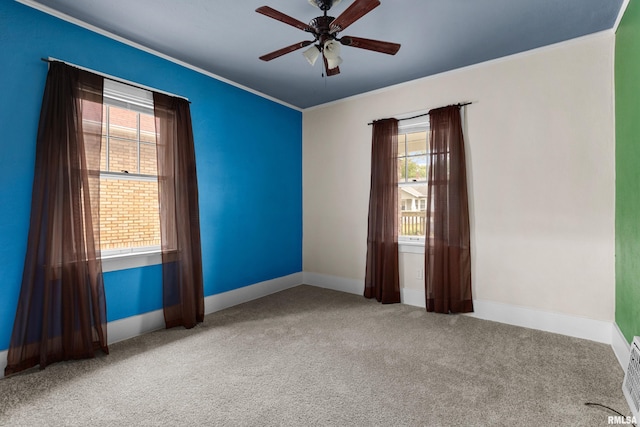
310, 356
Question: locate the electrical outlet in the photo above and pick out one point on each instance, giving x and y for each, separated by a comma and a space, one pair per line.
420, 274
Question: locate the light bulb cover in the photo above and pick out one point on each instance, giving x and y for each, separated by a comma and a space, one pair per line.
311, 54
334, 62
331, 49
332, 54
320, 4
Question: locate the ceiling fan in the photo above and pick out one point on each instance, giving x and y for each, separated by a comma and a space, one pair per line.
325, 31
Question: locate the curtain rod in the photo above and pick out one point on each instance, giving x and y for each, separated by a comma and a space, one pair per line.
426, 114
117, 79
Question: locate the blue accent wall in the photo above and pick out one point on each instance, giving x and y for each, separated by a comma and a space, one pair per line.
133, 291
248, 151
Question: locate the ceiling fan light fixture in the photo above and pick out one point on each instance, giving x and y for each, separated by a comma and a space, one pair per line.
333, 63
331, 49
324, 4
324, 30
311, 54
332, 53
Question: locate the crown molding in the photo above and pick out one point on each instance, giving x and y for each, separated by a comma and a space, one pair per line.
56, 14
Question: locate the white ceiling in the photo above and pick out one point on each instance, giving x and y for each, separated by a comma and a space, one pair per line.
227, 37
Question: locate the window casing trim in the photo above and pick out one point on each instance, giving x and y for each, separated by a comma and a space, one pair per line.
129, 176
140, 100
132, 259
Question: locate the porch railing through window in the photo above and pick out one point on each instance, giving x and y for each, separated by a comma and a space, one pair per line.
413, 223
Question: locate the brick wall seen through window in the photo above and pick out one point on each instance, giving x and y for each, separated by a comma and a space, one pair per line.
129, 216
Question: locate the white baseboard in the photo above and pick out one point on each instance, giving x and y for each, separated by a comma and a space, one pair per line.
621, 347
413, 297
129, 327
133, 326
573, 326
123, 329
559, 323
228, 299
351, 286
579, 327
3, 362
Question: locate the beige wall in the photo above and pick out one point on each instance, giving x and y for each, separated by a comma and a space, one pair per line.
541, 167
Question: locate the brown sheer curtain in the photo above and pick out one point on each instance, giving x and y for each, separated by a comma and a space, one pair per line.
447, 254
61, 312
183, 295
382, 280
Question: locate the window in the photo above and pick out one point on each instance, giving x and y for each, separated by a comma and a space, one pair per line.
129, 211
413, 164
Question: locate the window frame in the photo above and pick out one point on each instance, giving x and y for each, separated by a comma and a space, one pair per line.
412, 244
128, 97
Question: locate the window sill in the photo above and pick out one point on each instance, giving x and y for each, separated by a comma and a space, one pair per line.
411, 246
130, 260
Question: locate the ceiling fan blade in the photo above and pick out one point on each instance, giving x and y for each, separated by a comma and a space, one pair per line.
357, 10
375, 45
284, 50
330, 71
272, 13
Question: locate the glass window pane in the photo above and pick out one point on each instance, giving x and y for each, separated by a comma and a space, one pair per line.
123, 156
416, 143
412, 215
417, 168
104, 119
402, 170
129, 214
147, 128
103, 155
123, 123
146, 136
148, 160
401, 145
129, 211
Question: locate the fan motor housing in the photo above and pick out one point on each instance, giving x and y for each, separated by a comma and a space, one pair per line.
321, 24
